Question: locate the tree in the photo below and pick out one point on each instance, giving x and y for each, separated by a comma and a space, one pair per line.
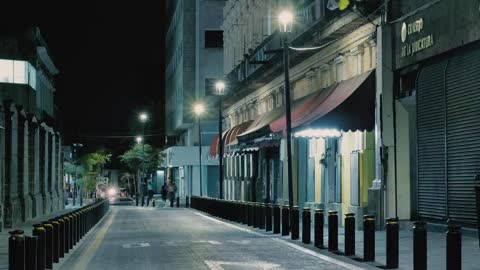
91, 165
132, 158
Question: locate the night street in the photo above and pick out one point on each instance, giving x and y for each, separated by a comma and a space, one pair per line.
153, 238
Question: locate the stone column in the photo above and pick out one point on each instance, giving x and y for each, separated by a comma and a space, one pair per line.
59, 170
53, 170
12, 204
43, 169
22, 167
34, 167
2, 165
48, 168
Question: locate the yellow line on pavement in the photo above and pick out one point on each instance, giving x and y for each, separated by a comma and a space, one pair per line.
87, 255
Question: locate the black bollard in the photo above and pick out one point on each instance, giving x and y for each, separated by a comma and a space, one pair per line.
392, 243
178, 202
31, 252
332, 231
244, 213
61, 239
39, 232
306, 225
276, 219
16, 250
319, 223
187, 202
285, 220
261, 216
419, 246
250, 213
368, 238
56, 240
268, 217
350, 234
48, 244
295, 216
454, 247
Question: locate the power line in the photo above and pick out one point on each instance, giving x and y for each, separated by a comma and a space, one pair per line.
118, 136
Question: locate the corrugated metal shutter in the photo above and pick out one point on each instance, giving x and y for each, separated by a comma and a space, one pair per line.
431, 141
463, 135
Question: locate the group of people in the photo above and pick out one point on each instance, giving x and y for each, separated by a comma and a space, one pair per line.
168, 192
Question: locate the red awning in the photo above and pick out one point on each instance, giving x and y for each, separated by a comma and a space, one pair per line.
239, 129
229, 138
349, 106
301, 108
213, 147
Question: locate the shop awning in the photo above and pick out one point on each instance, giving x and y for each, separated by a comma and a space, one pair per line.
349, 106
262, 126
229, 138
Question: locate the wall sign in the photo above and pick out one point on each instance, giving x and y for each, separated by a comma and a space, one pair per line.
414, 39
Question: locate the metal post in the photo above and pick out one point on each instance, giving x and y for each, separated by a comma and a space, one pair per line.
319, 223
392, 243
220, 147
200, 153
48, 244
268, 217
288, 120
332, 231
368, 238
39, 232
294, 214
285, 220
454, 247
349, 234
276, 219
16, 250
419, 246
31, 252
306, 225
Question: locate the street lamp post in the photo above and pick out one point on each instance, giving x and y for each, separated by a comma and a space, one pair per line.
143, 119
220, 91
75, 145
285, 20
198, 109
139, 140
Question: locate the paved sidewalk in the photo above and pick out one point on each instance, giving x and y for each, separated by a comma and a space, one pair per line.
436, 247
27, 227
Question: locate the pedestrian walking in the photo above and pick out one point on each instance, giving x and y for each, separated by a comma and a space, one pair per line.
172, 188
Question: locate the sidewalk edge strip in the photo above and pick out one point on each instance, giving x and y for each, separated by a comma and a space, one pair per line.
292, 245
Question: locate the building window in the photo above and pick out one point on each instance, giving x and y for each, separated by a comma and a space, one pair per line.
18, 72
213, 39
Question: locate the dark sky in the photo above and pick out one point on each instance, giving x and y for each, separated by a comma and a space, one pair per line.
110, 57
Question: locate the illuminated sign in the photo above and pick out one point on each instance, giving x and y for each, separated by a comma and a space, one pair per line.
420, 41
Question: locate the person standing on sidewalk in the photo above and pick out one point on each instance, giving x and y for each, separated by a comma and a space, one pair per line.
172, 188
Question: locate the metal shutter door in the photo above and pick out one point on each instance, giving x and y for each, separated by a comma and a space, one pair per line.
463, 135
431, 141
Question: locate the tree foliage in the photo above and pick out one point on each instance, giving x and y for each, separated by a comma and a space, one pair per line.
89, 167
132, 158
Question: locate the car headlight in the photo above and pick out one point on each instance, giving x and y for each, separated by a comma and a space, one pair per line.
112, 192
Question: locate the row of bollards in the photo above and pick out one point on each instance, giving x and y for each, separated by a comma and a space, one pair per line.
52, 239
280, 219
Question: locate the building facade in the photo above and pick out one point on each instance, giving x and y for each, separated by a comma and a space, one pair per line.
435, 106
332, 100
194, 60
31, 177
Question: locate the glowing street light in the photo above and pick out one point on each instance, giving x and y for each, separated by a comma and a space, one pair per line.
138, 139
220, 88
198, 109
143, 117
285, 21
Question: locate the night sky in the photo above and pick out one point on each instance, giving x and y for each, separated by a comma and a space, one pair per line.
110, 57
